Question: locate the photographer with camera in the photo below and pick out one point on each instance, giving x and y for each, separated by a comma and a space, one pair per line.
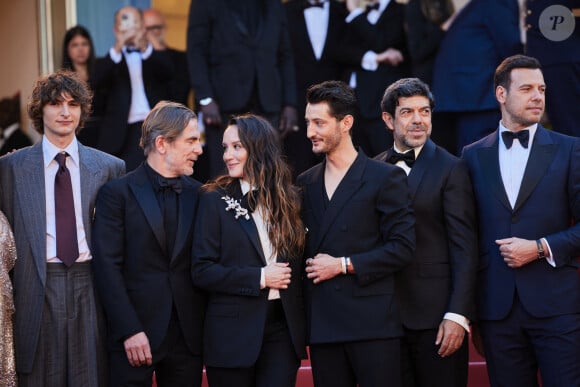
134, 78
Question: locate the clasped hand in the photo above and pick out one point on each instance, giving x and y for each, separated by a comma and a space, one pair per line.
278, 275
322, 267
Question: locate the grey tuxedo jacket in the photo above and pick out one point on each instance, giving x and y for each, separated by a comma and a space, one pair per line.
22, 199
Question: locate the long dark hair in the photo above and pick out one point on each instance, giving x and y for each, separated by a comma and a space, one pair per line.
267, 171
70, 34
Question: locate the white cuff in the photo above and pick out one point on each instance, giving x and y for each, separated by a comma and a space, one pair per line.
262, 278
115, 56
353, 14
550, 258
459, 319
369, 61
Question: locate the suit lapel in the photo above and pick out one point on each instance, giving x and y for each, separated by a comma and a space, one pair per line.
349, 185
248, 225
421, 165
187, 201
145, 197
489, 158
31, 189
541, 156
89, 170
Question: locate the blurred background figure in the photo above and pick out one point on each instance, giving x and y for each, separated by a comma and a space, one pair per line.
78, 55
155, 28
425, 21
316, 29
483, 34
376, 29
134, 77
558, 50
7, 260
240, 60
11, 134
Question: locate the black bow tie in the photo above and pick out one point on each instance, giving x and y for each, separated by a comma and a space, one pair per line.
407, 157
173, 183
522, 135
374, 6
308, 4
130, 49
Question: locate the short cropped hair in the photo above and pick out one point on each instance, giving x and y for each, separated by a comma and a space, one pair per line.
502, 76
405, 87
339, 96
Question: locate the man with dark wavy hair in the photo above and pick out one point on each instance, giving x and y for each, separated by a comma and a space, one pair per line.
48, 193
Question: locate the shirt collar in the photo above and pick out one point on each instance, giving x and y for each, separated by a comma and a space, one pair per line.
11, 129
49, 151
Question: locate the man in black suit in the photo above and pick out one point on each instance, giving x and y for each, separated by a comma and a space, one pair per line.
240, 61
360, 233
133, 77
142, 231
378, 34
316, 30
437, 291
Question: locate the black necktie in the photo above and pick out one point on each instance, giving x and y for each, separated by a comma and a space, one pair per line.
374, 6
407, 157
522, 135
67, 247
309, 4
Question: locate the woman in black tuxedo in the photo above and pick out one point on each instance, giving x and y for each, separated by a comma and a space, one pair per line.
247, 254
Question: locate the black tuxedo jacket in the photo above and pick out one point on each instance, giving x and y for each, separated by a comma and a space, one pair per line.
226, 62
442, 276
138, 282
114, 85
227, 262
331, 65
369, 219
387, 32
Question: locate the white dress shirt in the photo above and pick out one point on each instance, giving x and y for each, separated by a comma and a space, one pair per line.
369, 59
49, 151
267, 247
139, 103
316, 19
512, 165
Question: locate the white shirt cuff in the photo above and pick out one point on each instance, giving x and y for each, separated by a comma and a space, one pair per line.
262, 278
550, 258
369, 61
353, 14
459, 319
115, 56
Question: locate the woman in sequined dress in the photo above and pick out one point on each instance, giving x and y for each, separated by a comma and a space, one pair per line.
7, 259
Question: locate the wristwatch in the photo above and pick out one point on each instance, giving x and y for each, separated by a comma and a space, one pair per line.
541, 253
205, 101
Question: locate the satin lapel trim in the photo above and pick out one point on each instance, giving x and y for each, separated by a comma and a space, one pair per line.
33, 189
349, 185
145, 197
421, 165
541, 156
489, 160
249, 227
187, 200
